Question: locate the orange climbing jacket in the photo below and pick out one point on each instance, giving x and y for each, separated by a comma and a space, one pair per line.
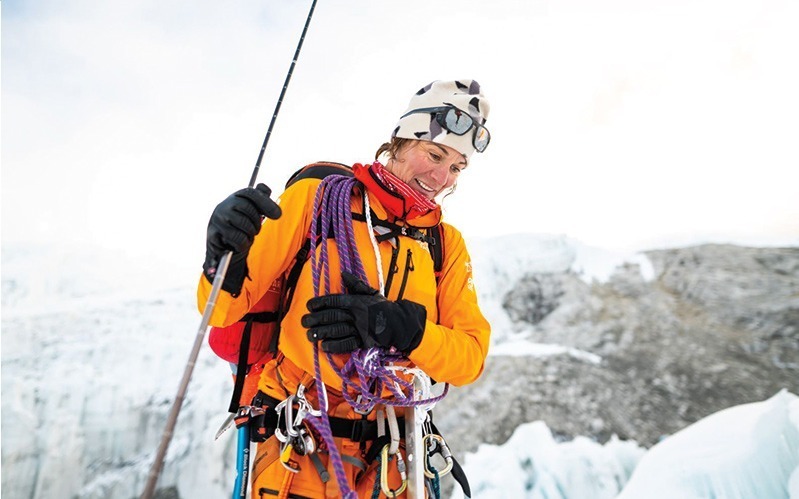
455, 341
252, 341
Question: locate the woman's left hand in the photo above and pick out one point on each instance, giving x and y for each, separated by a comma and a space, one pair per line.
363, 318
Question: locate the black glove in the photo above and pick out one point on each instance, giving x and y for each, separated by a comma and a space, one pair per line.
363, 319
232, 227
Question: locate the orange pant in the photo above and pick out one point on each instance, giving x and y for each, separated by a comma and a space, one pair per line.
272, 479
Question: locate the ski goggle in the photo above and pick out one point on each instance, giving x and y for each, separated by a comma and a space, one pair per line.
458, 122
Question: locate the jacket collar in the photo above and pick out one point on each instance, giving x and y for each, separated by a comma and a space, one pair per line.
392, 204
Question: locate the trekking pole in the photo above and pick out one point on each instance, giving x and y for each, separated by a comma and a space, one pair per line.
224, 262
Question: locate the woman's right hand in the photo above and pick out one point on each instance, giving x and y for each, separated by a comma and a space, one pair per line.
233, 225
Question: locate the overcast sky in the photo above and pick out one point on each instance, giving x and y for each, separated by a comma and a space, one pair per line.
621, 123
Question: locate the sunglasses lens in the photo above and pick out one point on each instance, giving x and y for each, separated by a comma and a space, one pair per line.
481, 138
457, 122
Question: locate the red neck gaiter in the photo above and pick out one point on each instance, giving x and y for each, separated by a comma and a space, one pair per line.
395, 195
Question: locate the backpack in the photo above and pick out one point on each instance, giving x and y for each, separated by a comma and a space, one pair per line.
252, 341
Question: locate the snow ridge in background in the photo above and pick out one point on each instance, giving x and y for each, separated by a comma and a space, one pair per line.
42, 279
500, 262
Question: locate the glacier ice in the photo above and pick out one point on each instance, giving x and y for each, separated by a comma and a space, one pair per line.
746, 451
533, 465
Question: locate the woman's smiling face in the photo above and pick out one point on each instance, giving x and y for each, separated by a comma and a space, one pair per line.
427, 167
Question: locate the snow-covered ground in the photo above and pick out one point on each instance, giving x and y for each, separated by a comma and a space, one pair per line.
94, 344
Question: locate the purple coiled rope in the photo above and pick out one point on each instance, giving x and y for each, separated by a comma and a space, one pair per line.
332, 213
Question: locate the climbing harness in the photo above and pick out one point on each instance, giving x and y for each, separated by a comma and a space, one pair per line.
221, 271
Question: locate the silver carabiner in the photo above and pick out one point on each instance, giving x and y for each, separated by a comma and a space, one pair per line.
285, 412
304, 404
299, 416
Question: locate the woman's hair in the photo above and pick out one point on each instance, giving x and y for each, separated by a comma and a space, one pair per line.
392, 148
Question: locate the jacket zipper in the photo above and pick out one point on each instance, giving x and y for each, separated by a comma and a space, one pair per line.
408, 269
392, 268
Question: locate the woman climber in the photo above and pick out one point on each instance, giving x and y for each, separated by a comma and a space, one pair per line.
386, 294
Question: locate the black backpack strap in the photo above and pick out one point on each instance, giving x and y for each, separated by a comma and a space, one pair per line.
319, 170
393, 229
260, 317
436, 247
241, 368
290, 284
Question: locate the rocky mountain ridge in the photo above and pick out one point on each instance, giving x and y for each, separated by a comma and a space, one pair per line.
715, 326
